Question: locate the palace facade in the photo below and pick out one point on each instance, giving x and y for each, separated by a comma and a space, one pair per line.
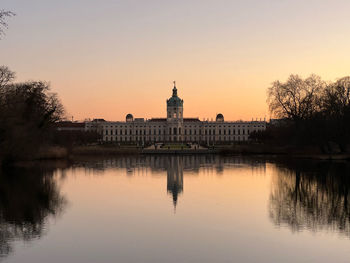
174, 128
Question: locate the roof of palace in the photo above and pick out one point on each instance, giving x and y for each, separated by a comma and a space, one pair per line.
157, 119
70, 124
191, 119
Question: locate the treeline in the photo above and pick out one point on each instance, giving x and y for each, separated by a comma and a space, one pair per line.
28, 113
69, 139
309, 112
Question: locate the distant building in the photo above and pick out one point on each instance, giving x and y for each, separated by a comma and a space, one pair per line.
174, 128
70, 126
279, 122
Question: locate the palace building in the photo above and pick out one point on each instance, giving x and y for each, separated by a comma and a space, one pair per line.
174, 128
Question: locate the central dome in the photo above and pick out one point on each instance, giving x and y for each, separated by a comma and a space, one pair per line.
175, 101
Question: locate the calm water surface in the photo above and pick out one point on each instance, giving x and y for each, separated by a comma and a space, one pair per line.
176, 209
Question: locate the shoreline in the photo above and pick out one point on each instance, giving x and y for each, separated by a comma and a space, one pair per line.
64, 154
238, 150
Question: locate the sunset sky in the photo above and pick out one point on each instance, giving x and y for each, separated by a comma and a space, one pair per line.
107, 58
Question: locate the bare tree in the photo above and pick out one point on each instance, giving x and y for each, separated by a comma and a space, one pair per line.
3, 24
28, 113
336, 97
6, 76
297, 98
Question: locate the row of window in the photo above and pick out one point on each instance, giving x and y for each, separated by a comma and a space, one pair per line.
186, 127
129, 139
175, 131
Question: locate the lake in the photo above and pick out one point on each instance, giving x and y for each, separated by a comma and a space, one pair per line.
195, 208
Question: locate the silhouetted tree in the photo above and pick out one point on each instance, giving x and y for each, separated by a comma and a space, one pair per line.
335, 111
70, 138
315, 113
3, 23
6, 76
27, 114
296, 99
259, 136
336, 98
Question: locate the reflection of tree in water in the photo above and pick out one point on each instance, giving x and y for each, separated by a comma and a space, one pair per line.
312, 195
27, 198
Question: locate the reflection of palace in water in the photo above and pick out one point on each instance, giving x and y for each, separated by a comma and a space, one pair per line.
175, 178
176, 165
